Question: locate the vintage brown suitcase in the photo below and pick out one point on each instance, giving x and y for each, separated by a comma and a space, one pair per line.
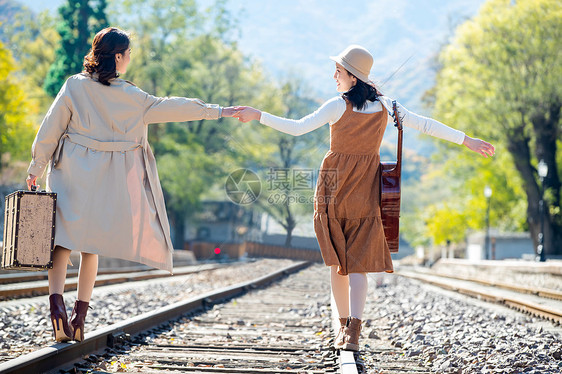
390, 191
29, 230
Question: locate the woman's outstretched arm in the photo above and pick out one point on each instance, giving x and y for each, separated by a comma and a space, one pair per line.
329, 112
175, 109
182, 109
437, 129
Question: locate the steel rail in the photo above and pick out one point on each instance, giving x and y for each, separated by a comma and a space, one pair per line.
348, 365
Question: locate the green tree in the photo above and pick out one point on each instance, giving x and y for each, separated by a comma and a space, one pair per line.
501, 79
16, 128
80, 21
290, 164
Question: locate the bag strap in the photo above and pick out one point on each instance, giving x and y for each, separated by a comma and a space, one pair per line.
398, 125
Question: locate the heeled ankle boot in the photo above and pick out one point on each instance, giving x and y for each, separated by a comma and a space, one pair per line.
351, 335
338, 342
59, 319
77, 319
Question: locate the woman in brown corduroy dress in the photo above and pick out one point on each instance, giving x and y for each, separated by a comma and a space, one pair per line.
347, 218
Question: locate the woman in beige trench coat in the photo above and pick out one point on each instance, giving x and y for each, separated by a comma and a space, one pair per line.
93, 140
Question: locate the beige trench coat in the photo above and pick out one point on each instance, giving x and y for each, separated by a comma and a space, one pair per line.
93, 141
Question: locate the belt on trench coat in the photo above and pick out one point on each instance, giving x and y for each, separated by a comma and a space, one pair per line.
93, 144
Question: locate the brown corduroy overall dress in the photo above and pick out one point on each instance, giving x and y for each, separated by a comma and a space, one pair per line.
347, 218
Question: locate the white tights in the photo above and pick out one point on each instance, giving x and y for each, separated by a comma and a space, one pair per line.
349, 292
86, 274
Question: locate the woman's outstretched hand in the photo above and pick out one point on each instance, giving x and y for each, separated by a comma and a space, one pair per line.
479, 146
247, 113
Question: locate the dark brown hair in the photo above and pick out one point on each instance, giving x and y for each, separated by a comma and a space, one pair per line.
361, 92
101, 58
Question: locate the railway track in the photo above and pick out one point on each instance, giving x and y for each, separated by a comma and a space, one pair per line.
247, 328
539, 302
28, 284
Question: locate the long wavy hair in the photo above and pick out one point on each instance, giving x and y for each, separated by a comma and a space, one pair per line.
361, 92
101, 58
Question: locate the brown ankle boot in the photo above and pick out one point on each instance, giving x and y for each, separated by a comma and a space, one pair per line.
338, 342
351, 335
61, 330
77, 319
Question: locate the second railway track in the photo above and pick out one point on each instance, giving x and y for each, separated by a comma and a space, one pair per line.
36, 284
539, 302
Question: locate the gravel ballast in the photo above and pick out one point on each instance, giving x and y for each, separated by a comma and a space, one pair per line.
451, 333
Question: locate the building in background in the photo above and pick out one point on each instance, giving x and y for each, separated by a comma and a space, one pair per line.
224, 222
512, 245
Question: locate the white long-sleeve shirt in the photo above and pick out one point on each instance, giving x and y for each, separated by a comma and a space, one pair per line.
332, 110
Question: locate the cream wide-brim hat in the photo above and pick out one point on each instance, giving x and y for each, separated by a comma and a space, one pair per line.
357, 60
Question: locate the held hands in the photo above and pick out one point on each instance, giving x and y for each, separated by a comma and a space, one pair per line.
243, 113
247, 113
479, 146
